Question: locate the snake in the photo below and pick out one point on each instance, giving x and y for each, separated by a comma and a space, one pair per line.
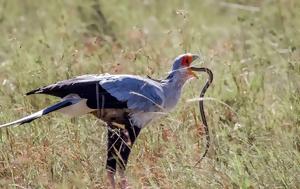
201, 108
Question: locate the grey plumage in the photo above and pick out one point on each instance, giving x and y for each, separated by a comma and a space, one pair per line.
141, 94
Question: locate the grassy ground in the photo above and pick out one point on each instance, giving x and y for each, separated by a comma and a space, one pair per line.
251, 46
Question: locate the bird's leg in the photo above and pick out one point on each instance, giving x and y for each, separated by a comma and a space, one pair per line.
119, 146
124, 182
129, 135
118, 150
111, 164
111, 179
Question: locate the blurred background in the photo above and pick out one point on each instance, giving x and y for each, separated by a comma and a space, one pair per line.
251, 46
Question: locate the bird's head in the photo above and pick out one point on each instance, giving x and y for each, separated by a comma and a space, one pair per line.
181, 65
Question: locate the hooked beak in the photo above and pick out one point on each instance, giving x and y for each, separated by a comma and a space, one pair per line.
190, 69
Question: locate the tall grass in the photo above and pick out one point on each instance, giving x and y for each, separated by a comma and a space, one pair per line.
251, 46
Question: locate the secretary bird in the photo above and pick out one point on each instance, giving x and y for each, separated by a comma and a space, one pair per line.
127, 103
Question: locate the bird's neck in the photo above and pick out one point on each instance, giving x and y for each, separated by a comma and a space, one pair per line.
172, 86
175, 79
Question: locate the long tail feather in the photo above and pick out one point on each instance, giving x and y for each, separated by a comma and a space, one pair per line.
57, 106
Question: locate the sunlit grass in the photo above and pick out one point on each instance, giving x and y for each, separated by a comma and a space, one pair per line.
252, 49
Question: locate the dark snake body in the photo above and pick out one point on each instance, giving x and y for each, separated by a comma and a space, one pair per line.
201, 108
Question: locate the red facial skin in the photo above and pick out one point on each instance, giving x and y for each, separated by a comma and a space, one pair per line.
186, 60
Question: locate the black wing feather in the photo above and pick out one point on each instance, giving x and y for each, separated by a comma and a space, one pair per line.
87, 87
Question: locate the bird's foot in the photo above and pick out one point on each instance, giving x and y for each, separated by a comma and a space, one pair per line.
124, 181
111, 179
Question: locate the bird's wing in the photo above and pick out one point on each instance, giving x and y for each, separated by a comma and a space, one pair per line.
110, 91
65, 87
141, 94
86, 87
